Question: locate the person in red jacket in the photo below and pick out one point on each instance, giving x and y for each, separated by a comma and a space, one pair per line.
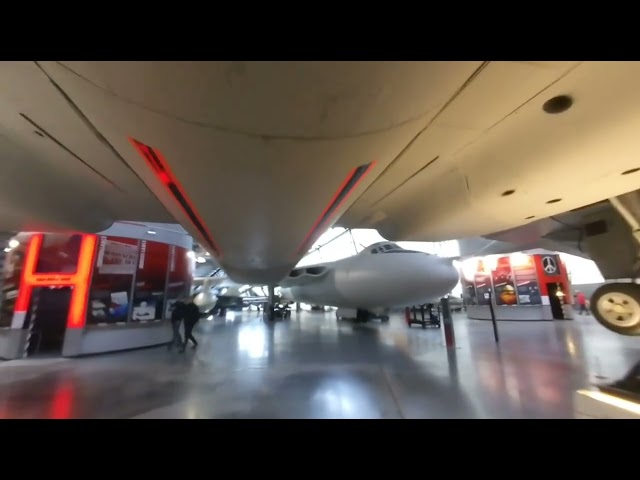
581, 301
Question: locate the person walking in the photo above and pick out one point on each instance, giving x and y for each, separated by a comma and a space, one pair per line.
581, 300
191, 317
177, 315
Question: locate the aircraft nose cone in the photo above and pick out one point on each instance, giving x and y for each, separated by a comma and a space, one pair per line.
450, 274
429, 278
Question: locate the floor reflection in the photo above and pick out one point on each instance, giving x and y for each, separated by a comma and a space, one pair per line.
252, 341
313, 366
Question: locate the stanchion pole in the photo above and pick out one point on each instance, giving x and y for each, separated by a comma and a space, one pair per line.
493, 319
447, 321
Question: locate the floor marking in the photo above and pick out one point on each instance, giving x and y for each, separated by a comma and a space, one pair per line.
387, 381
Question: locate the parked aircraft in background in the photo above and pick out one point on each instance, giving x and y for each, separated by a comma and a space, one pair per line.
362, 286
382, 276
217, 294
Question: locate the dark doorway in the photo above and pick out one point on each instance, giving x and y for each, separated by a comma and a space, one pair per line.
556, 303
48, 312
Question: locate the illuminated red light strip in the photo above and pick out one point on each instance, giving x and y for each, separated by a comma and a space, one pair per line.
79, 281
79, 298
341, 195
30, 261
160, 167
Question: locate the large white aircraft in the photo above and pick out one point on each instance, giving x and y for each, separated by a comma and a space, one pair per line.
422, 151
382, 276
362, 286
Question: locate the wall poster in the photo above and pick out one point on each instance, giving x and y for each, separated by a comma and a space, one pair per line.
151, 278
503, 285
482, 281
526, 278
110, 292
117, 256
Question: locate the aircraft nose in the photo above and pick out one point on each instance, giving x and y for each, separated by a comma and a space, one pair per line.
444, 274
449, 272
431, 275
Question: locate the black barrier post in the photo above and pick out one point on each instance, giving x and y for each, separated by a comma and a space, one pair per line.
493, 318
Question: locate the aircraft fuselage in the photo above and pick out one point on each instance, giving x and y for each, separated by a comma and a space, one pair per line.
374, 281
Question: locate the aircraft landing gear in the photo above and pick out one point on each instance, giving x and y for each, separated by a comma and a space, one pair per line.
616, 306
269, 308
362, 316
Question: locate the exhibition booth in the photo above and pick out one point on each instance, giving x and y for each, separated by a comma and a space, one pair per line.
521, 286
79, 294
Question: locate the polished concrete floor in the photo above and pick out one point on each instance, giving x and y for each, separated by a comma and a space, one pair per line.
315, 367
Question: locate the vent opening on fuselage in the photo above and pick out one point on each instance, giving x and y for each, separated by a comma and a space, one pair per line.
316, 270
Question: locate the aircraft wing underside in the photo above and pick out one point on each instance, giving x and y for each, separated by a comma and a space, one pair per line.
422, 151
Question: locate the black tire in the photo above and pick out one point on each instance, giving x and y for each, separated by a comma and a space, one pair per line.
384, 318
626, 296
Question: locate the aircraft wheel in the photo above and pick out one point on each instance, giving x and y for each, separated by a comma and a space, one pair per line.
616, 306
384, 318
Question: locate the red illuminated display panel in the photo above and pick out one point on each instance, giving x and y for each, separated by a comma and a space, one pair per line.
45, 255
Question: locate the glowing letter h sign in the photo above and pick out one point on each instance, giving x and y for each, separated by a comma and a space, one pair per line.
79, 281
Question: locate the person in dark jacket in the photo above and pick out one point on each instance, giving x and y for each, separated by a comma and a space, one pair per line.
177, 315
191, 317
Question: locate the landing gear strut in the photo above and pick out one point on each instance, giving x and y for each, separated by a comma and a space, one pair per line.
269, 309
616, 306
